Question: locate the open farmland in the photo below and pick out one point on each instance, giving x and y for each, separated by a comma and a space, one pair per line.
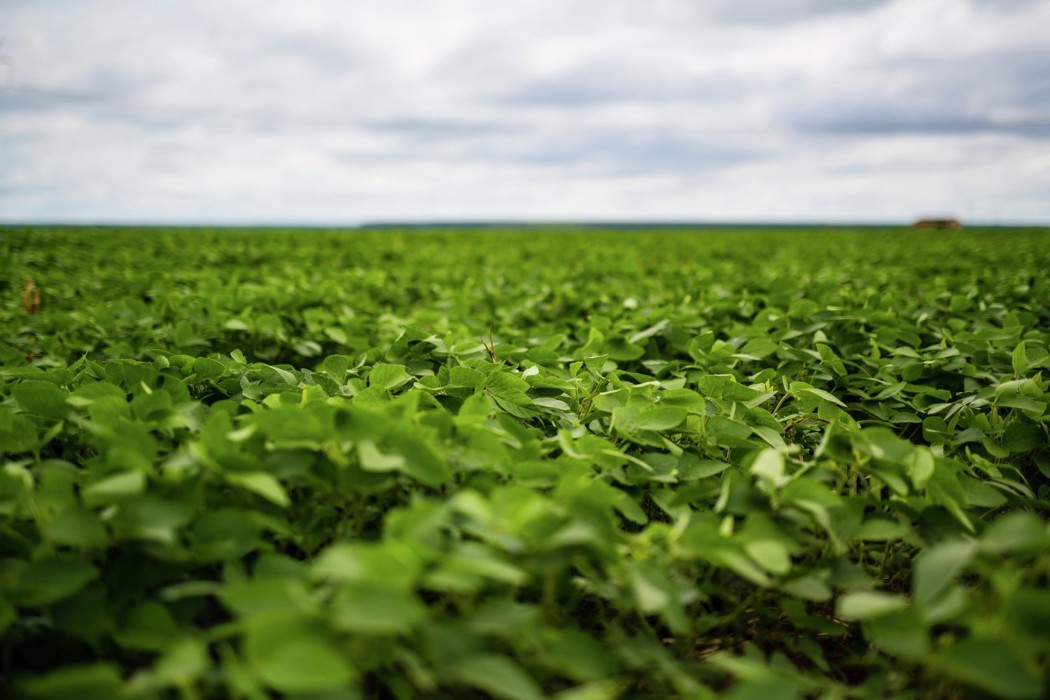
520, 464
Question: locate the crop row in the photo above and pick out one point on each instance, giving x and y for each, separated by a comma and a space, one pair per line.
523, 464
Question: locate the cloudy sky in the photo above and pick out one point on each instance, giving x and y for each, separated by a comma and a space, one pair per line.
343, 112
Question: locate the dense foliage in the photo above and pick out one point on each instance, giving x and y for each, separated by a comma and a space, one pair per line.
584, 465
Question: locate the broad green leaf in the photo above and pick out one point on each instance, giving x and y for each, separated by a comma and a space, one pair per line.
477, 405
771, 555
769, 468
992, 666
1023, 437
373, 460
263, 595
728, 432
920, 467
649, 332
595, 364
263, 484
1019, 359
741, 565
466, 377
78, 527
868, 605
496, 675
605, 689
936, 431
17, 434
937, 568
469, 563
725, 387
374, 608
881, 530
226, 533
100, 681
901, 633
50, 580
115, 488
505, 383
799, 388
42, 398
206, 368
651, 589
182, 663
1028, 610
421, 460
660, 418
580, 656
301, 664
148, 626
759, 347
335, 366
388, 377
1016, 532
394, 564
691, 401
555, 404
808, 588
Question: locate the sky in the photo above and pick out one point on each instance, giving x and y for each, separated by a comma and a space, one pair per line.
334, 113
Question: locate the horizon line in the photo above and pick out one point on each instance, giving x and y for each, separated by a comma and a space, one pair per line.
518, 223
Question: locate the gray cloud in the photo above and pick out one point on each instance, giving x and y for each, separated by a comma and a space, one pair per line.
318, 52
620, 82
808, 109
1004, 92
622, 154
1007, 7
116, 81
762, 12
867, 125
423, 129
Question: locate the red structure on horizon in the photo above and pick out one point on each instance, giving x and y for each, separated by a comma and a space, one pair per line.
938, 223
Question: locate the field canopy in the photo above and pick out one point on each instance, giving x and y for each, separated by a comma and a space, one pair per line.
518, 464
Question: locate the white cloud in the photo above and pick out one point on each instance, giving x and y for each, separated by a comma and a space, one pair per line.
256, 112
